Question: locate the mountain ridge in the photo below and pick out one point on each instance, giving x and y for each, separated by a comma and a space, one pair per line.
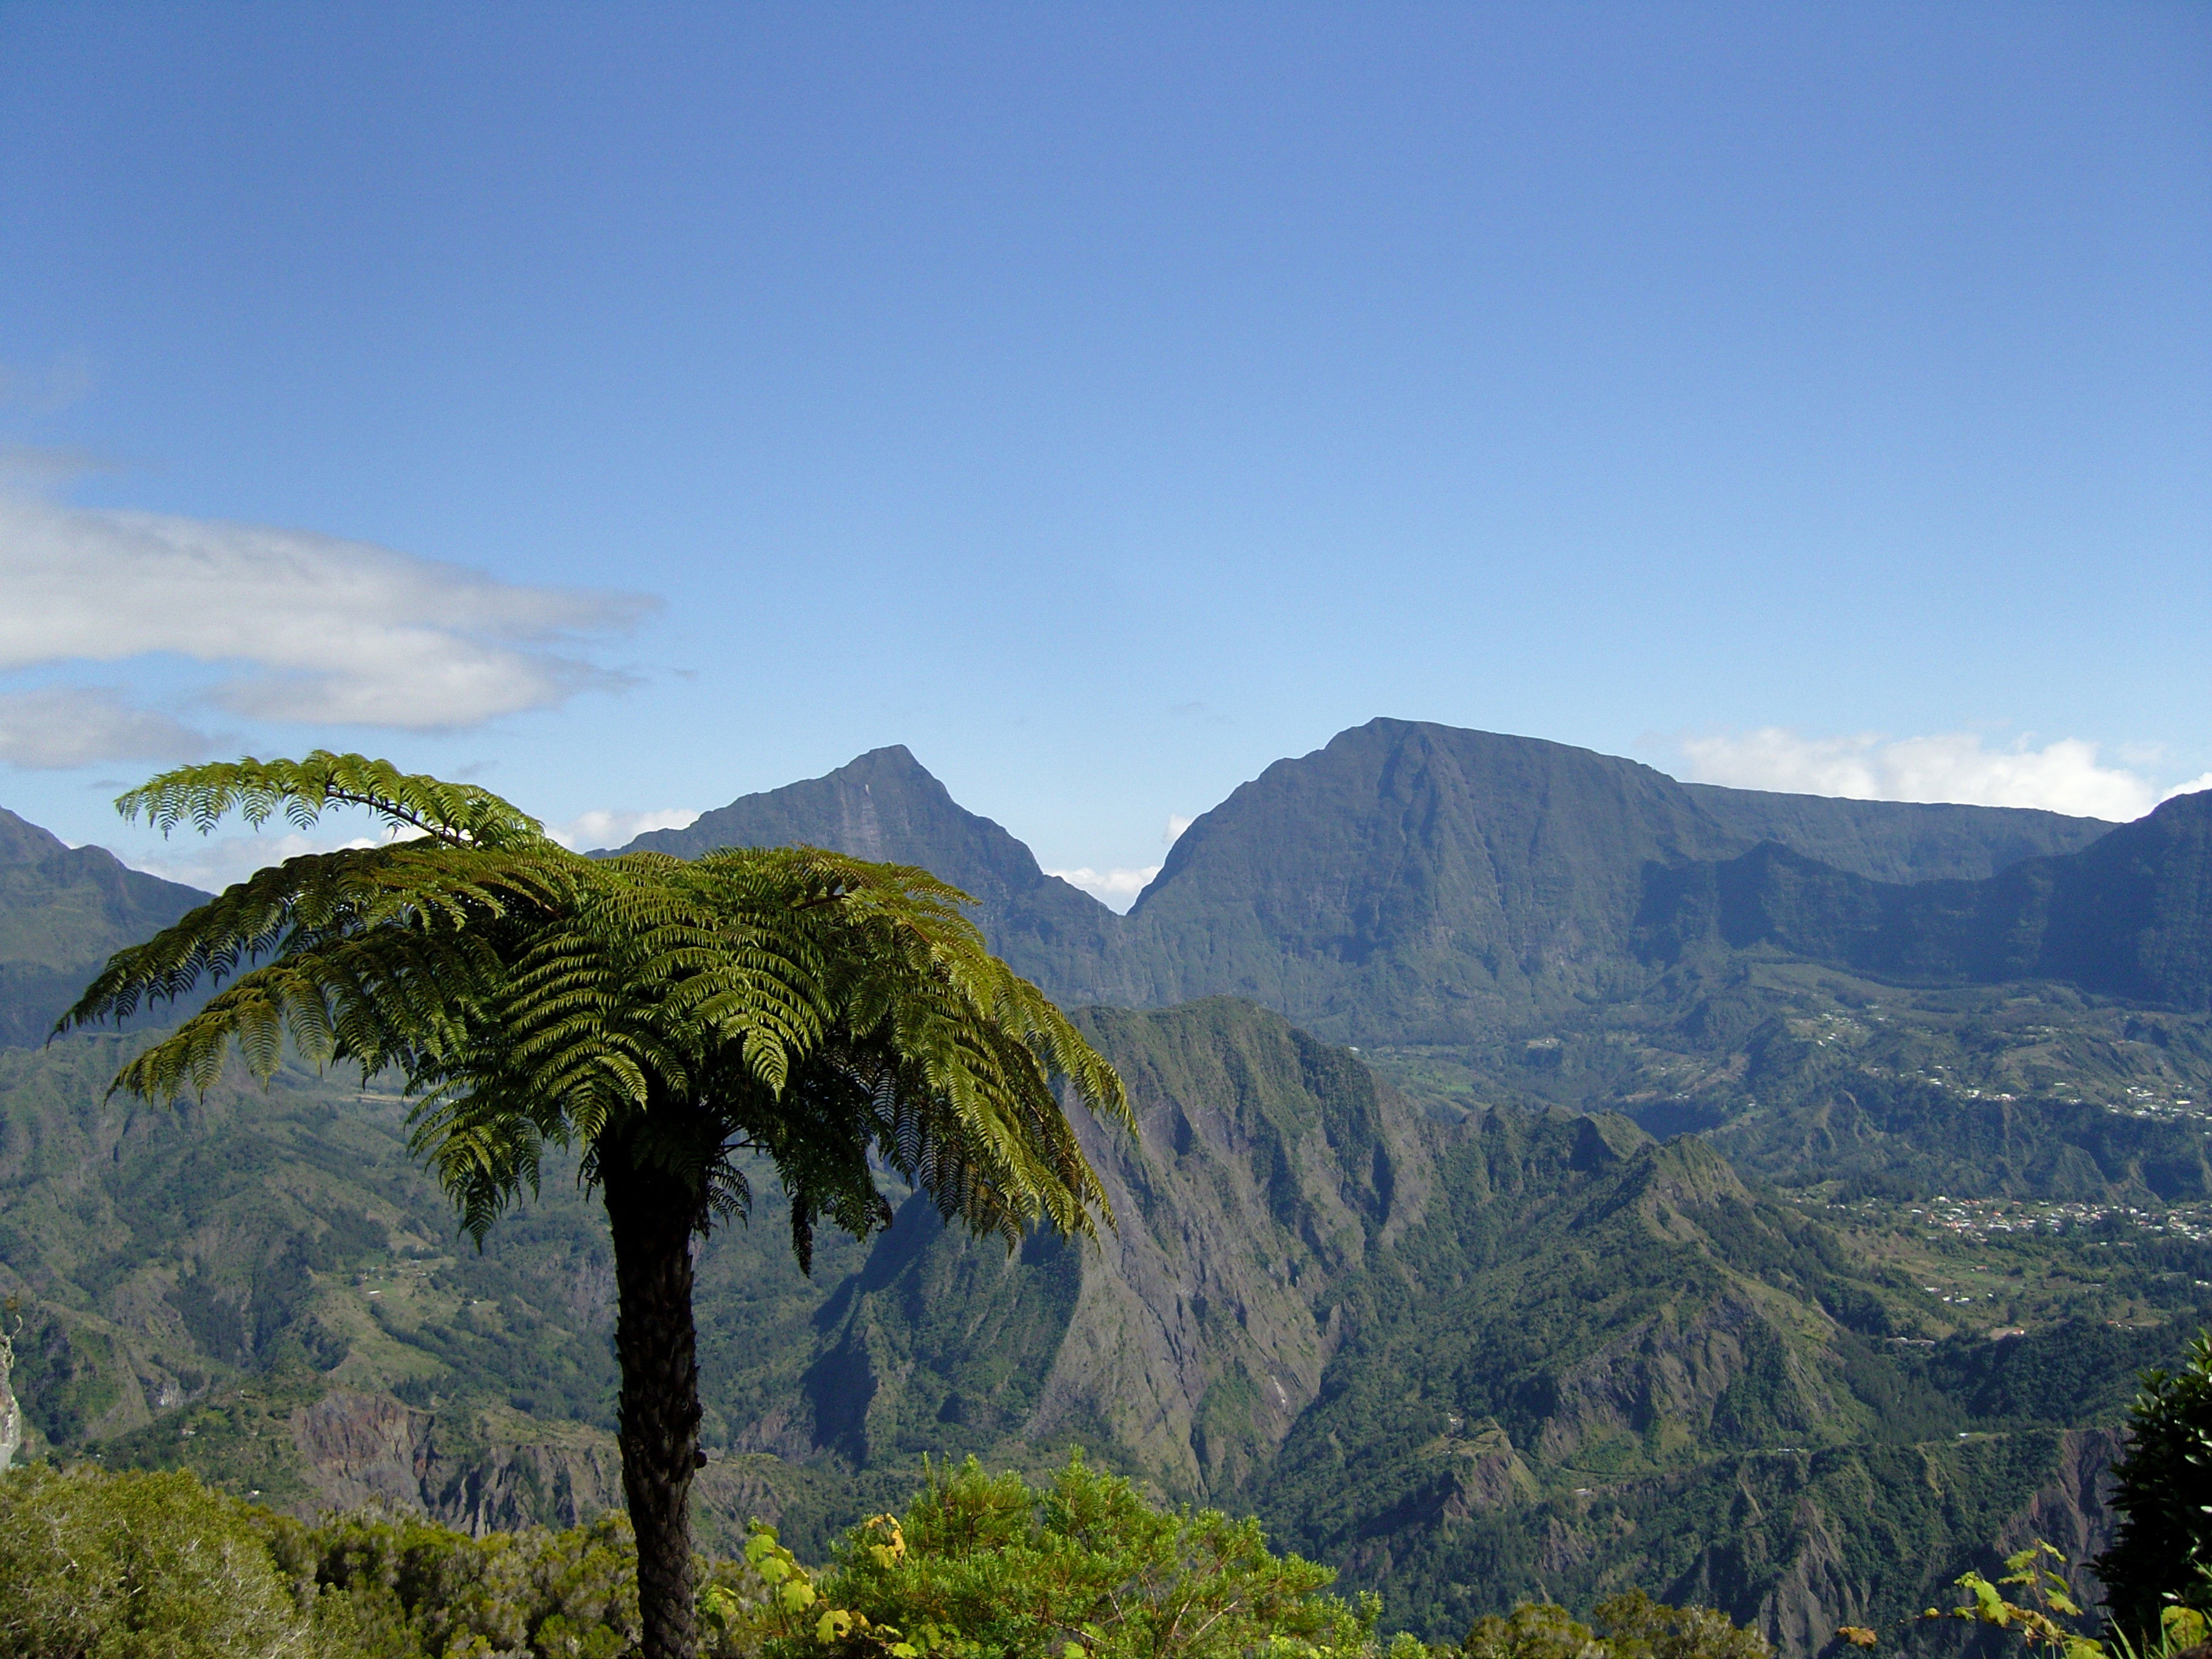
1407, 882
1463, 1350
63, 911
2129, 915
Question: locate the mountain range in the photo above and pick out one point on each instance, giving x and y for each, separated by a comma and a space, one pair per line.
1413, 883
1697, 1151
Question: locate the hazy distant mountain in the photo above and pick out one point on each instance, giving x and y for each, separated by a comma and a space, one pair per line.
1407, 882
63, 911
2129, 916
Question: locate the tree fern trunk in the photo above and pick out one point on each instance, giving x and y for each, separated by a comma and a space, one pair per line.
651, 1216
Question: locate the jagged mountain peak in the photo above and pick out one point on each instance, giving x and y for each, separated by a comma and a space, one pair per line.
885, 805
882, 805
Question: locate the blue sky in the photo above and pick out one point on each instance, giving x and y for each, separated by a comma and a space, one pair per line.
634, 407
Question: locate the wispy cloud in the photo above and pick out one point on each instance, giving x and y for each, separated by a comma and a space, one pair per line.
602, 827
57, 727
1116, 889
320, 631
2065, 775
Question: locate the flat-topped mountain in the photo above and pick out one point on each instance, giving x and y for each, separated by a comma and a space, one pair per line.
1415, 883
1408, 882
2130, 915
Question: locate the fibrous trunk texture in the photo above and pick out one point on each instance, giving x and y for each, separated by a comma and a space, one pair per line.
653, 1218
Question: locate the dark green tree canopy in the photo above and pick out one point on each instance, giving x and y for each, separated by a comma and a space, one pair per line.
2163, 1556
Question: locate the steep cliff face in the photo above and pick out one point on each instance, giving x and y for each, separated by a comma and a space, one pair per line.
2129, 916
490, 1474
1188, 1338
1792, 1541
11, 1412
1603, 1305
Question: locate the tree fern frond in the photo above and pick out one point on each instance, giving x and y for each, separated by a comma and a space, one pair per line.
823, 1010
202, 796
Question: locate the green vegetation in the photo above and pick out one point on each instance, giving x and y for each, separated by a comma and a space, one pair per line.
982, 1566
659, 1018
1446, 1313
1673, 1377
2163, 1556
136, 1566
1630, 1626
979, 1567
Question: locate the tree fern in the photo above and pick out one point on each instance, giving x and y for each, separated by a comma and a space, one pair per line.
660, 1017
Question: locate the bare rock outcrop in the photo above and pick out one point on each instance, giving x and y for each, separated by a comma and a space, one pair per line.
368, 1450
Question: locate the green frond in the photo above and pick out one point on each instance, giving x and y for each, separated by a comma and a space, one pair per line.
300, 790
836, 1015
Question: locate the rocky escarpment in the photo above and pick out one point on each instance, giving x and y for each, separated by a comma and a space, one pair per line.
1189, 1336
366, 1451
1821, 1576
11, 1413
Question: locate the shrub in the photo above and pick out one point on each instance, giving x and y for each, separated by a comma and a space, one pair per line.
1534, 1630
137, 1566
984, 1567
1634, 1626
2163, 1555
382, 1587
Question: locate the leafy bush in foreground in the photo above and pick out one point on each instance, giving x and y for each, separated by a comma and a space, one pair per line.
387, 1588
137, 1566
982, 1566
2163, 1556
1634, 1626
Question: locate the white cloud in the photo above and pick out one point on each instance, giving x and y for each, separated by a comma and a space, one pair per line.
2062, 776
1116, 889
601, 828
65, 726
321, 630
2203, 780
